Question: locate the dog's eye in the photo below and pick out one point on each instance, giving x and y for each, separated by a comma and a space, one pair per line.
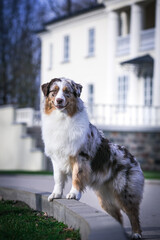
66, 91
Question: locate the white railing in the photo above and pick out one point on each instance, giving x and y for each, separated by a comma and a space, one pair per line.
147, 41
123, 45
102, 114
28, 116
118, 115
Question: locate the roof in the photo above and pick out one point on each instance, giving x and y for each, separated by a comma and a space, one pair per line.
72, 15
146, 59
143, 65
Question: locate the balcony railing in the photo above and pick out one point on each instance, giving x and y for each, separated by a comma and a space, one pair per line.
102, 114
147, 41
28, 116
123, 45
120, 115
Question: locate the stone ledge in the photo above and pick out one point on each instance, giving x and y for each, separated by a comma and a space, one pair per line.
93, 224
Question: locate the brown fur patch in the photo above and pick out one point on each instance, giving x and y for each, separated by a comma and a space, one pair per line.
71, 106
49, 106
109, 205
129, 206
72, 161
56, 88
65, 89
80, 176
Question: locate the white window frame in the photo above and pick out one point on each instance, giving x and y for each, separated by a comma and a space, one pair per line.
90, 98
50, 58
66, 53
123, 84
148, 91
91, 41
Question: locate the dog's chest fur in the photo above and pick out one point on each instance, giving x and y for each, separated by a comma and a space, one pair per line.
64, 136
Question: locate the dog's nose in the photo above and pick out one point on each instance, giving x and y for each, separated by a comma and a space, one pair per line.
59, 100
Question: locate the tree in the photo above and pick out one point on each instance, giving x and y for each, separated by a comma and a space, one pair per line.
20, 48
19, 52
67, 7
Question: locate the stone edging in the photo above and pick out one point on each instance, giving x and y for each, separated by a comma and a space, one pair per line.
93, 224
152, 181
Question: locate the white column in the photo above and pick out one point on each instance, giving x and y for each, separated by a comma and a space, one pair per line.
124, 27
136, 26
156, 77
112, 33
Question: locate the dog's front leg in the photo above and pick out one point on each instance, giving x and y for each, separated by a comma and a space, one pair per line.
80, 179
59, 180
75, 192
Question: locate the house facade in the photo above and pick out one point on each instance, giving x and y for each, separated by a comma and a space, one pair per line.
113, 50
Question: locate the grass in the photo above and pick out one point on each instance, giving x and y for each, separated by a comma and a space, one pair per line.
147, 174
151, 175
18, 222
14, 172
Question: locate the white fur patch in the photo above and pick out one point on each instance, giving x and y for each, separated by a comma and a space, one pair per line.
74, 194
64, 136
136, 236
60, 94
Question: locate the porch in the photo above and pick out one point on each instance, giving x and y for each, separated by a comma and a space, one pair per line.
103, 115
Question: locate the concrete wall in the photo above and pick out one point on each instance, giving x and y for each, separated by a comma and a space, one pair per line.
16, 148
144, 144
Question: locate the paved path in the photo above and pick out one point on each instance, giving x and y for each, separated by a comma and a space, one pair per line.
150, 208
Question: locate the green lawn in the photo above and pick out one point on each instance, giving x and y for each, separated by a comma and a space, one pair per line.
18, 222
152, 175
14, 172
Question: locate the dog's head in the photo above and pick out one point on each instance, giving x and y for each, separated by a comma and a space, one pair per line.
61, 94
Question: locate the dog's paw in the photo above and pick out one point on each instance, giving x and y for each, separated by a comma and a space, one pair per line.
74, 195
54, 196
136, 236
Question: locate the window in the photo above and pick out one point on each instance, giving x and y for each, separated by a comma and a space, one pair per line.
122, 91
90, 98
66, 48
124, 22
148, 91
91, 42
149, 15
50, 59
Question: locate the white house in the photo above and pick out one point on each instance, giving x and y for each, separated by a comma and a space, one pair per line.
113, 50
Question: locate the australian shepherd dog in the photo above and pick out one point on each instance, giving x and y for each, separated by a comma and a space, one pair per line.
78, 148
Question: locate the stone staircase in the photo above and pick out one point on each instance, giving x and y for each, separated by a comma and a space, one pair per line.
35, 133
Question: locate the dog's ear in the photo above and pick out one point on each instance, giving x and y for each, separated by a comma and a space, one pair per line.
46, 86
45, 89
77, 89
